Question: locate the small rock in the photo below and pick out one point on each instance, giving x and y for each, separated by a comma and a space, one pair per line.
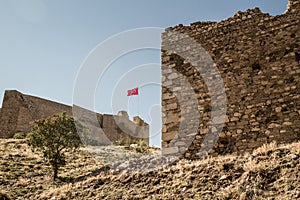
224, 177
133, 146
297, 194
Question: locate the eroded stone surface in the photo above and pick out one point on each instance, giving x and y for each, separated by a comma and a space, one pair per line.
258, 57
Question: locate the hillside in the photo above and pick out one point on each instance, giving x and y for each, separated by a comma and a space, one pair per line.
270, 172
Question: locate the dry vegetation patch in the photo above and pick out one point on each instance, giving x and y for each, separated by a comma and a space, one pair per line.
270, 172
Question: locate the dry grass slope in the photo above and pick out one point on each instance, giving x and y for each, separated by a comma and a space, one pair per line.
270, 172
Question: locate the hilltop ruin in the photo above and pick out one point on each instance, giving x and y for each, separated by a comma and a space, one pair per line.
19, 111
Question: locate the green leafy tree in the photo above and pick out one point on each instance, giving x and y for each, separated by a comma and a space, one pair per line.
55, 136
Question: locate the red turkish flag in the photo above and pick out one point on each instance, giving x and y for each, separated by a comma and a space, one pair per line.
134, 91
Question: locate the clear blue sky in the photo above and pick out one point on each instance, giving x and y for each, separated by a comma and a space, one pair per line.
44, 42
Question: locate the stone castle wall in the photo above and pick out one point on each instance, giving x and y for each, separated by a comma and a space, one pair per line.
19, 111
258, 57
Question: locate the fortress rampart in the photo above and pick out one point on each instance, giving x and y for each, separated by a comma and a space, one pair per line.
258, 57
19, 111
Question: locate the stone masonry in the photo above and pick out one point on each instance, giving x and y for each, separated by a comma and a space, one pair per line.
19, 111
258, 57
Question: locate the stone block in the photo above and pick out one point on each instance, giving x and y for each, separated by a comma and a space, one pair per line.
168, 136
172, 106
172, 118
170, 150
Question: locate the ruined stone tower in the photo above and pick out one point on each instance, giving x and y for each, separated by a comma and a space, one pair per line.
258, 59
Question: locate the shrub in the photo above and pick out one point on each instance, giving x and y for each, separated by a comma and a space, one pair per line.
140, 147
19, 135
53, 137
